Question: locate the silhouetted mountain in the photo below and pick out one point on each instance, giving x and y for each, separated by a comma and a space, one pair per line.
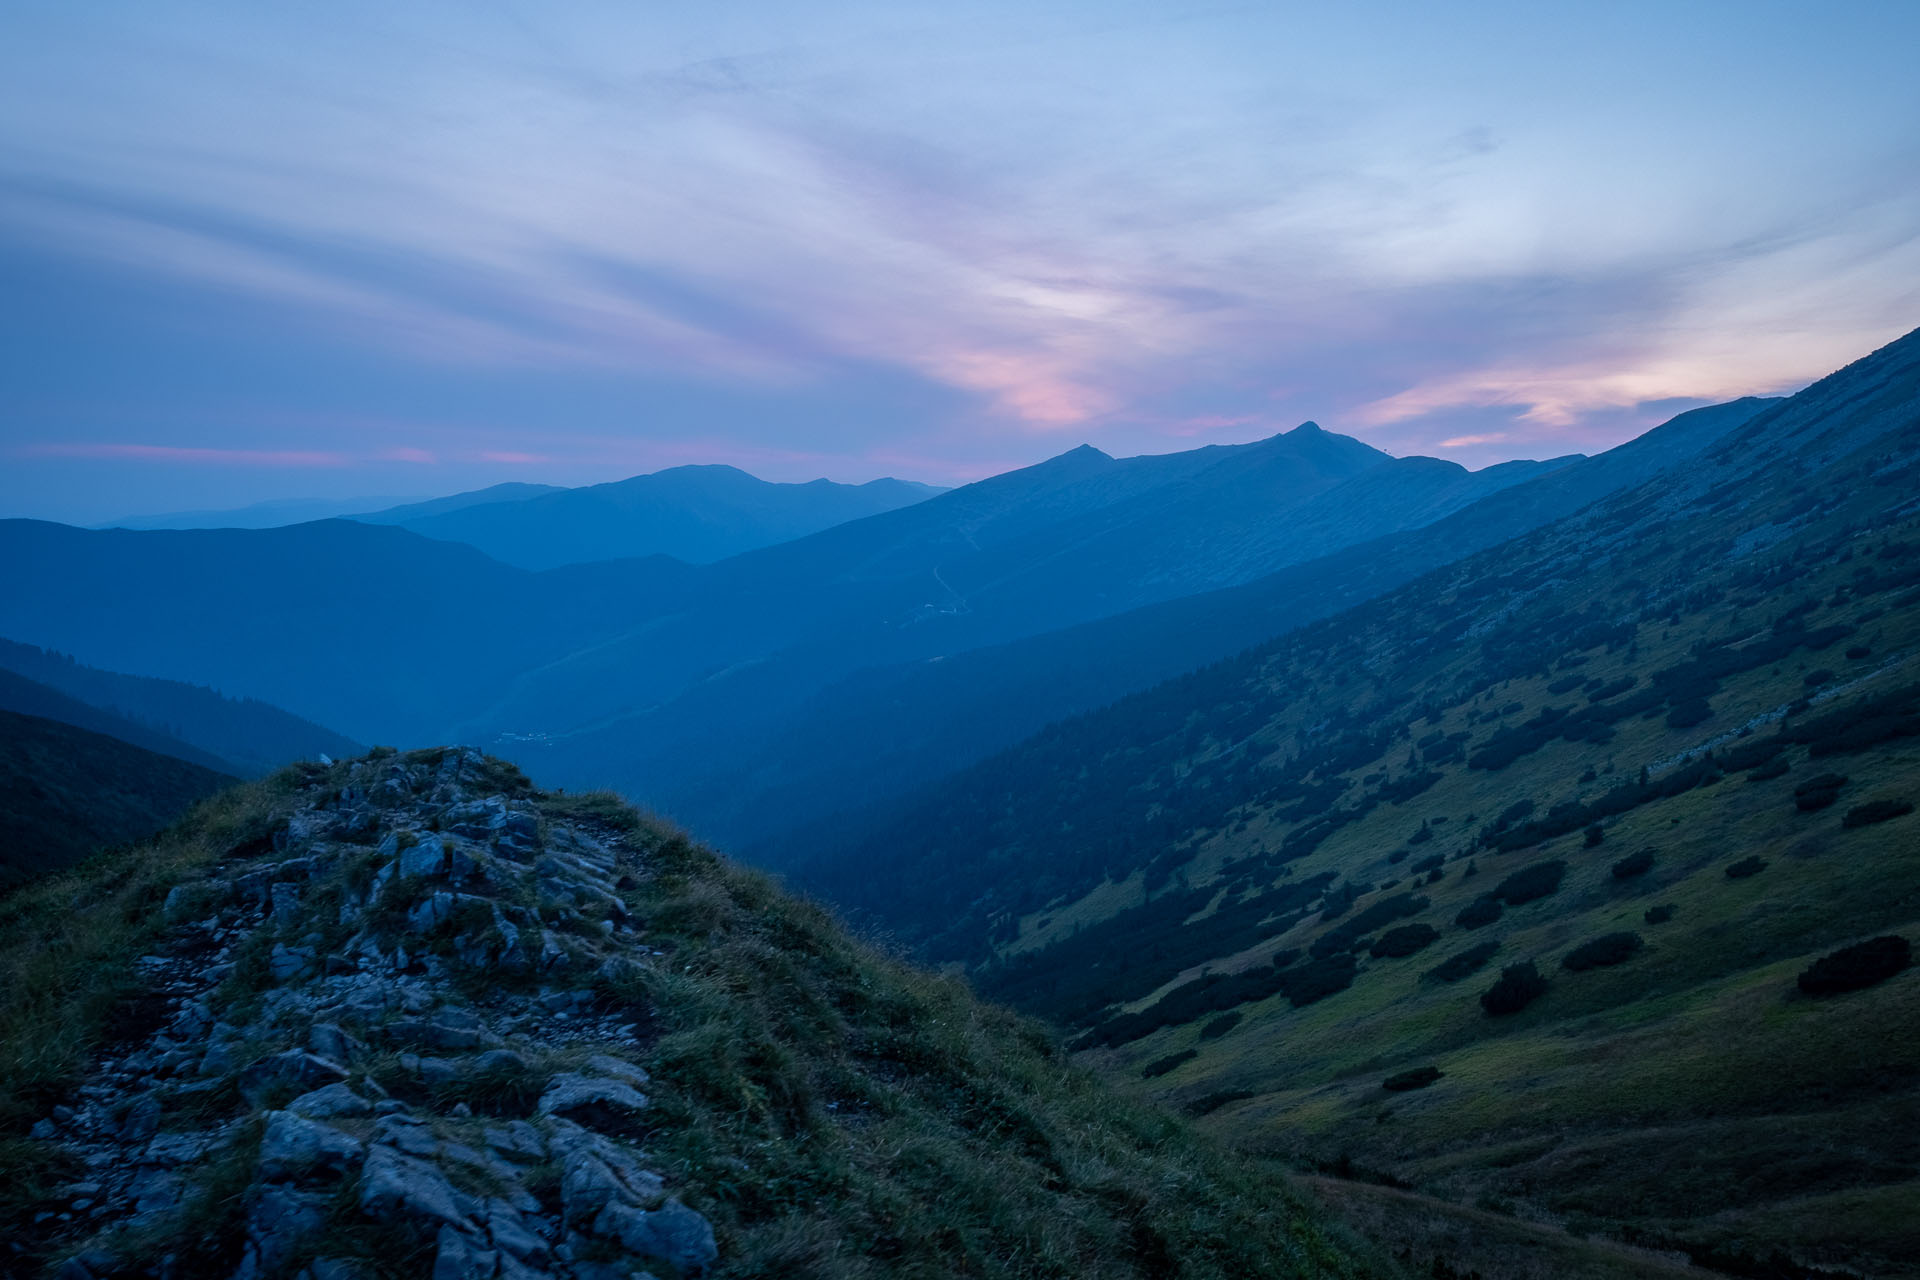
275, 514
1625, 775
27, 697
697, 514
247, 737
511, 491
870, 737
380, 631
65, 792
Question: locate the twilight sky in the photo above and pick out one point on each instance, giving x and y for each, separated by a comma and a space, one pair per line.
252, 251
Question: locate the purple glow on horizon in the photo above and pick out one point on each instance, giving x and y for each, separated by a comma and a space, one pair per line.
433, 246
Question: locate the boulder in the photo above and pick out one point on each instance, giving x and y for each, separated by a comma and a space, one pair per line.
672, 1233
296, 1067
294, 1147
392, 1184
330, 1102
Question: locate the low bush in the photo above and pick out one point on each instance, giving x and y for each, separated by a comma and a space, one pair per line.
1595, 836
1634, 864
1160, 1066
1859, 651
1860, 965
1404, 941
1479, 913
1465, 964
1746, 867
1658, 915
1689, 713
1814, 679
1865, 815
1531, 883
1317, 979
1774, 768
1818, 793
1519, 986
1608, 949
1208, 1103
1221, 1025
1416, 1078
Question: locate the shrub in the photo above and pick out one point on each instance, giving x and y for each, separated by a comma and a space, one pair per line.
1465, 964
1608, 949
1417, 1078
1519, 986
1688, 713
1818, 793
1531, 883
1480, 912
1404, 941
1859, 651
1857, 966
1865, 815
1431, 863
1595, 835
1221, 1025
1208, 1103
1746, 867
1318, 979
1160, 1066
1774, 768
1814, 679
1658, 915
1634, 864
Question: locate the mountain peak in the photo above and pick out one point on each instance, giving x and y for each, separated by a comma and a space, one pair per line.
1308, 428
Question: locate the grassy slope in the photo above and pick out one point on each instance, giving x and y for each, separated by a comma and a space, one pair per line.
836, 1112
65, 792
1688, 1096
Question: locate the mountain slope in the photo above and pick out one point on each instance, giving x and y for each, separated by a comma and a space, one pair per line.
261, 515
871, 738
1269, 888
511, 491
27, 697
378, 631
65, 792
698, 514
409, 1016
662, 712
249, 738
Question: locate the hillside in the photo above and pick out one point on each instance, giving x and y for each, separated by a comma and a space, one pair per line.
698, 514
1678, 726
377, 632
760, 653
65, 792
410, 1016
31, 698
246, 737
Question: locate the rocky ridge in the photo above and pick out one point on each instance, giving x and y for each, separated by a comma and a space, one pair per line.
387, 1025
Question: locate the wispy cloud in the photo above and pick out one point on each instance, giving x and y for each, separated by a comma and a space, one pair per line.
1116, 223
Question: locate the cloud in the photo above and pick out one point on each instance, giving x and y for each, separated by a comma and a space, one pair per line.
186, 455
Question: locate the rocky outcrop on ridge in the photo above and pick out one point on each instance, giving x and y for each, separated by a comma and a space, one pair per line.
385, 1027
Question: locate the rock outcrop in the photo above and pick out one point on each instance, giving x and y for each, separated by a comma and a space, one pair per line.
387, 1023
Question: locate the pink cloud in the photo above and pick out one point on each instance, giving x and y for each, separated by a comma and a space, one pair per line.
407, 455
511, 456
176, 453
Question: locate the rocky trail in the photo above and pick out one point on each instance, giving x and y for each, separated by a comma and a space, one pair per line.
385, 1023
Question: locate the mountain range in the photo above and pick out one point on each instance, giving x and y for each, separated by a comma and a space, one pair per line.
1520, 856
1519, 884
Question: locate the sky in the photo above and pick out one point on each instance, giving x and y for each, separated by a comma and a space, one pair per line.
261, 251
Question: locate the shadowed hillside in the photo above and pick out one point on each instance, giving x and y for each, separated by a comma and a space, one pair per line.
65, 792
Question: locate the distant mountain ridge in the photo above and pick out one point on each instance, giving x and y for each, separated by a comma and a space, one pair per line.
698, 514
241, 736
